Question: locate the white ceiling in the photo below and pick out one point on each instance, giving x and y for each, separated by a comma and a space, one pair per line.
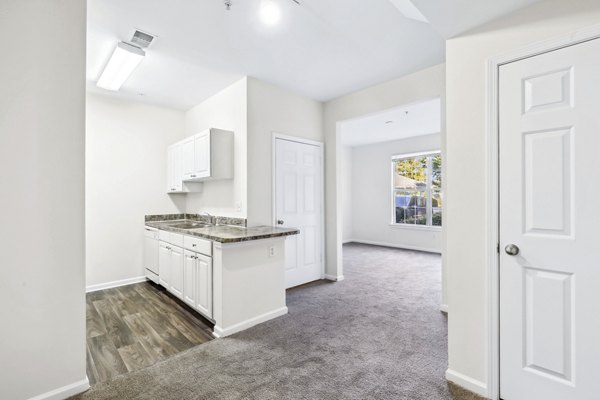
320, 49
417, 119
451, 17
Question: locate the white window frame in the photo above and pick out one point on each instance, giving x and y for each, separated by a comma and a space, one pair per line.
428, 190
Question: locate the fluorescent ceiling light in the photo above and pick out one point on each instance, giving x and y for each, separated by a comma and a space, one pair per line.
409, 10
270, 13
123, 61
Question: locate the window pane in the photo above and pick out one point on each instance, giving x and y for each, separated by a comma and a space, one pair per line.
436, 171
436, 210
411, 173
416, 210
401, 201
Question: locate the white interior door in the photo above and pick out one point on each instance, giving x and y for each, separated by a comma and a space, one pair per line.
299, 204
549, 109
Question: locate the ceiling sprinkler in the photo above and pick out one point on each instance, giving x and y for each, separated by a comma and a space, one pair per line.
228, 5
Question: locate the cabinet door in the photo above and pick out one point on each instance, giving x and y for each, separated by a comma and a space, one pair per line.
190, 273
178, 167
176, 273
164, 264
175, 168
187, 159
171, 181
202, 155
204, 285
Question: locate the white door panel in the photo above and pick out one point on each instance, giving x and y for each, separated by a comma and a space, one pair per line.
298, 203
549, 190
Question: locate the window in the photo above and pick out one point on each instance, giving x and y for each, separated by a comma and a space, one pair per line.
417, 189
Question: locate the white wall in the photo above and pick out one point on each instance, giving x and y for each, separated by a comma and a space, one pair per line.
225, 110
347, 175
271, 109
466, 248
371, 196
422, 85
126, 168
42, 133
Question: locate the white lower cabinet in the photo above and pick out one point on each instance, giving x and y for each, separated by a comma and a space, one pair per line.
170, 266
186, 273
197, 292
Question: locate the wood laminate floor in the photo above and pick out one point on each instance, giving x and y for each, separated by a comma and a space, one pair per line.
134, 326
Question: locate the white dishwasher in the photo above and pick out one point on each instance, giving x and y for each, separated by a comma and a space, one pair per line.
151, 253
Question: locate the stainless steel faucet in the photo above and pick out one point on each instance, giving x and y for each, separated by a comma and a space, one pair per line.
211, 218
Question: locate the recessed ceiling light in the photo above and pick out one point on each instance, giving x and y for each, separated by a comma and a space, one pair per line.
270, 13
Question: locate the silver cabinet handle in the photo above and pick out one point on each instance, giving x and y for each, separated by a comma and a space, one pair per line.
193, 176
512, 249
279, 222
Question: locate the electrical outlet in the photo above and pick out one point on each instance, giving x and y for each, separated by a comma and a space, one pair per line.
271, 251
238, 206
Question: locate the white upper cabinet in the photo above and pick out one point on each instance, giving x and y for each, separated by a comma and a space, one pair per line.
178, 166
208, 155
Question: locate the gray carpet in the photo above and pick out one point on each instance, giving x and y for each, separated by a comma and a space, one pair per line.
378, 334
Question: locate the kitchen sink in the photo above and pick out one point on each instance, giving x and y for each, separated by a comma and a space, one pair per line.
189, 225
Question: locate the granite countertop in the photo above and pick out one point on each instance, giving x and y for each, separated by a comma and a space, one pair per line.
223, 233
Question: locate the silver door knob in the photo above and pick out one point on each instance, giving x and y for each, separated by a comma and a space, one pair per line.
279, 222
511, 249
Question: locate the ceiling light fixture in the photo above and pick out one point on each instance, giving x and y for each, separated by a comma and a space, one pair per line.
270, 13
123, 61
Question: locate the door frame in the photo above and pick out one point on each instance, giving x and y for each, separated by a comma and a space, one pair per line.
492, 145
279, 136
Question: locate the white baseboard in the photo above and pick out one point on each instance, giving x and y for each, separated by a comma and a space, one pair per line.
468, 383
65, 391
397, 246
222, 332
444, 308
334, 277
108, 285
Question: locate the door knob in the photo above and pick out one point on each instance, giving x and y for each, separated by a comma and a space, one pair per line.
511, 249
279, 222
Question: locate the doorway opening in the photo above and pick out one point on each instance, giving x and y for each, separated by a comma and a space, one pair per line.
392, 178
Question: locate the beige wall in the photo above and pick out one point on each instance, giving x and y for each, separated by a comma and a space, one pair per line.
272, 109
225, 110
466, 247
126, 175
422, 85
42, 139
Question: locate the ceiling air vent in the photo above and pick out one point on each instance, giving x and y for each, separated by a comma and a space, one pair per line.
142, 39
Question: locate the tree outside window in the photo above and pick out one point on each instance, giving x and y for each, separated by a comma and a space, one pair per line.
417, 190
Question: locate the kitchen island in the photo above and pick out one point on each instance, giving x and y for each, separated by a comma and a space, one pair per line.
233, 275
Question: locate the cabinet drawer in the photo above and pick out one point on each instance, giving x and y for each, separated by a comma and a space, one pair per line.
170, 237
198, 245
